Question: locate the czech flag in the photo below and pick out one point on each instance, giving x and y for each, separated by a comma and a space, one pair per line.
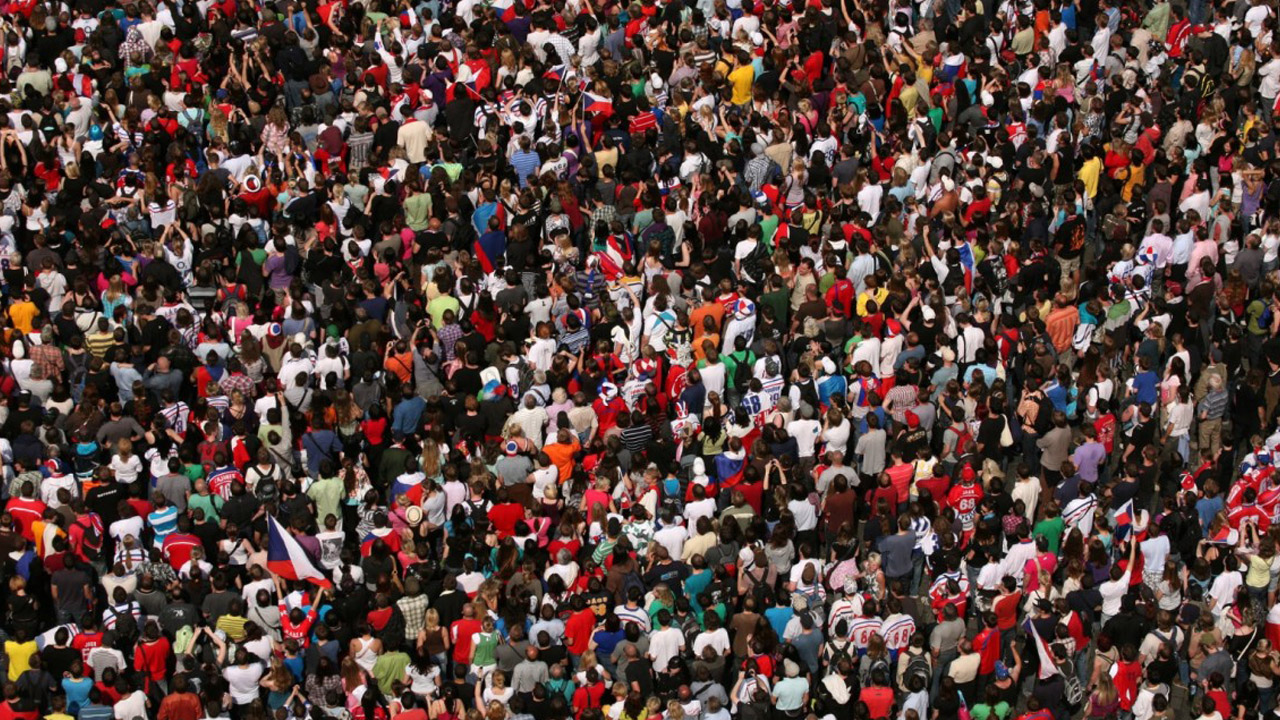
596, 103
286, 558
556, 73
1124, 520
1047, 667
409, 485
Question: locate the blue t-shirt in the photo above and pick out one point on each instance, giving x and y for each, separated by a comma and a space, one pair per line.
778, 617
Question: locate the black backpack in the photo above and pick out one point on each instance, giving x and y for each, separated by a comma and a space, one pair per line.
917, 666
741, 372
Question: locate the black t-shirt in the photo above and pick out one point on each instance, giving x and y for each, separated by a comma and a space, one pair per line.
640, 671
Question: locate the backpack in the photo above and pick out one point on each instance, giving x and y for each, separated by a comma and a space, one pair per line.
91, 539
631, 580
753, 263
190, 210
741, 373
877, 664
1073, 691
292, 260
917, 666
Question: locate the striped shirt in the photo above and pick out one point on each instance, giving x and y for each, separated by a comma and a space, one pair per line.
233, 626
633, 615
176, 416
525, 164
163, 522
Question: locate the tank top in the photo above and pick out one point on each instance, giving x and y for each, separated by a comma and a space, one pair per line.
365, 656
485, 649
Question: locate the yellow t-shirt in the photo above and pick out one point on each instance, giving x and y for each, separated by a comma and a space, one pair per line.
22, 313
19, 657
1259, 573
741, 80
1089, 174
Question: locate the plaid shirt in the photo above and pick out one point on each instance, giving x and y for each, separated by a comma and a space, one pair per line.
449, 336
414, 610
238, 381
48, 360
605, 214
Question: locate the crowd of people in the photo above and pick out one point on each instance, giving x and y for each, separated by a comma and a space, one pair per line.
661, 360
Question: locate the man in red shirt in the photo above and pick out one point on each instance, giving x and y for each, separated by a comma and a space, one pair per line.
987, 644
460, 633
878, 696
178, 545
27, 510
577, 629
505, 514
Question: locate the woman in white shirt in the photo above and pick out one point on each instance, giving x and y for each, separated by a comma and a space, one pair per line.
125, 465
835, 432
1181, 413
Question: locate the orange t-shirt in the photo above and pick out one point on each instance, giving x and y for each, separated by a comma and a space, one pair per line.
561, 456
401, 365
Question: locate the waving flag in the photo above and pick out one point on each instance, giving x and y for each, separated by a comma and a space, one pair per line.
286, 558
596, 103
556, 73
1124, 520
1047, 667
729, 471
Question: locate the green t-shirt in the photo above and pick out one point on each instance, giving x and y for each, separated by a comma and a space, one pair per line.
211, 504
327, 494
1051, 529
417, 212
982, 711
390, 669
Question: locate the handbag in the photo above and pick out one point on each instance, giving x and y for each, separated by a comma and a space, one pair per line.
1006, 435
963, 712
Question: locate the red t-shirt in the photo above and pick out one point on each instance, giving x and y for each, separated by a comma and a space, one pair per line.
504, 518
754, 493
177, 548
901, 477
460, 632
879, 700
577, 629
987, 643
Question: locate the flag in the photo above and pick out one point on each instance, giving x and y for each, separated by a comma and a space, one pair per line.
408, 485
506, 10
596, 103
966, 261
556, 73
1124, 520
286, 558
1047, 667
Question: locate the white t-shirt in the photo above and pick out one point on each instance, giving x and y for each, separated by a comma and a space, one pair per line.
717, 640
806, 434
805, 513
664, 645
242, 682
1112, 592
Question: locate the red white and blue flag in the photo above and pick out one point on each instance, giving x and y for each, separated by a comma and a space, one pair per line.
286, 558
966, 261
410, 486
506, 9
1124, 520
596, 103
